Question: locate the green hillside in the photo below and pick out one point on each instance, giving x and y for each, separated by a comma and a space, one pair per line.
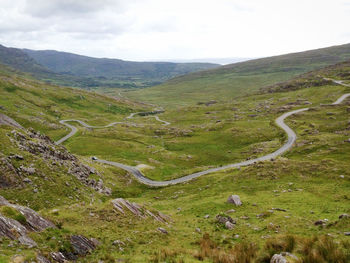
40, 106
239, 79
291, 204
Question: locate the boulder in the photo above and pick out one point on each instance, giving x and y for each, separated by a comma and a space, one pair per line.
277, 258
234, 199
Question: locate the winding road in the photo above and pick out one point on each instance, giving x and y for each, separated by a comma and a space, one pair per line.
141, 178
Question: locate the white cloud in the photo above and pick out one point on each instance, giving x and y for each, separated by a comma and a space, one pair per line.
163, 29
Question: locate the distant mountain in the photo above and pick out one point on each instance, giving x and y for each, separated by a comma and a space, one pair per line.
113, 72
75, 70
19, 60
244, 78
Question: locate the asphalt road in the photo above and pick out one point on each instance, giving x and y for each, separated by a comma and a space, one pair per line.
141, 178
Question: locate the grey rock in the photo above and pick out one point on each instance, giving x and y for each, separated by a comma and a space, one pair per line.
223, 219
344, 216
347, 233
234, 199
277, 258
121, 205
162, 230
229, 225
59, 257
27, 180
279, 209
42, 259
81, 245
28, 170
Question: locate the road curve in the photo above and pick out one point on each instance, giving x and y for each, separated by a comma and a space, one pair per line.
74, 129
279, 121
144, 180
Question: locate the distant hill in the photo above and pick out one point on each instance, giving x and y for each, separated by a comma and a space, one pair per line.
221, 61
234, 80
75, 70
19, 60
113, 72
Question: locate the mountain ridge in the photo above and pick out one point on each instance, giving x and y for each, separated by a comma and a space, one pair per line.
68, 69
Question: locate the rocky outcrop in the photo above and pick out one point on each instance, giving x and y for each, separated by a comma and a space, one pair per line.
6, 120
15, 230
34, 222
123, 205
41, 145
81, 246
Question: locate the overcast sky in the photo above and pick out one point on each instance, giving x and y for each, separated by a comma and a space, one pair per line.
174, 29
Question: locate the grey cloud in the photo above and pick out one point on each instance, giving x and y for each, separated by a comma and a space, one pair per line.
70, 8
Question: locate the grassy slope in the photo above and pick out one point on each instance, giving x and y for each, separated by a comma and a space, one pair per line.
306, 181
41, 106
236, 80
